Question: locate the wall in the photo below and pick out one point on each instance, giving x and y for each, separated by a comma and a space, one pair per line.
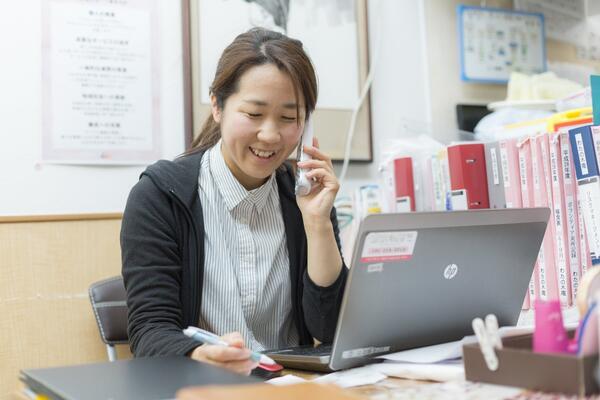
47, 267
400, 94
443, 63
31, 188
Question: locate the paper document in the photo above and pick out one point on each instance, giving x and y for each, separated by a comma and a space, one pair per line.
458, 390
428, 354
447, 351
438, 372
353, 377
286, 380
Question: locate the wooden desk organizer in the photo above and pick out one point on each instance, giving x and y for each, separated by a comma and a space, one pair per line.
519, 366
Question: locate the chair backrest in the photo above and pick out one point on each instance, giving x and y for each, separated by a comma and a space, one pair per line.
108, 298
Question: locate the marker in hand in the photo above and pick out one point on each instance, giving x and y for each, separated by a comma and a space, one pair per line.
203, 336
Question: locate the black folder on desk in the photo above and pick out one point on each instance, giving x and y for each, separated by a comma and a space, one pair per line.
140, 378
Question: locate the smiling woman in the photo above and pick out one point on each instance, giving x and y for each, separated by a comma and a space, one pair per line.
217, 239
259, 124
260, 47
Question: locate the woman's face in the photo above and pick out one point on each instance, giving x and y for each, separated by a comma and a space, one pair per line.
259, 125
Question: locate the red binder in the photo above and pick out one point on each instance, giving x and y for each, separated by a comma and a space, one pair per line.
468, 179
404, 184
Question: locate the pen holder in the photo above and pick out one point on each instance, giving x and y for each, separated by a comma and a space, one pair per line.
519, 366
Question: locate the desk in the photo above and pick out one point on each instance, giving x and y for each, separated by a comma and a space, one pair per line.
406, 389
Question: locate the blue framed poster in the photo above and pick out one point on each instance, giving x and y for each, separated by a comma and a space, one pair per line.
495, 42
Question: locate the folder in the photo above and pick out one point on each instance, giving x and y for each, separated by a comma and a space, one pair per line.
563, 265
509, 163
495, 178
596, 139
574, 242
548, 287
439, 191
429, 200
445, 177
588, 186
468, 179
526, 184
562, 123
404, 184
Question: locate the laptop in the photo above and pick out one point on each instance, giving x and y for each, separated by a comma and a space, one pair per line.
418, 279
139, 378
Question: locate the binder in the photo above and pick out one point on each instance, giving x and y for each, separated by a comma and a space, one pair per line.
439, 188
562, 123
445, 176
388, 191
429, 195
509, 164
548, 287
468, 179
596, 139
563, 265
404, 184
526, 184
495, 178
588, 186
574, 243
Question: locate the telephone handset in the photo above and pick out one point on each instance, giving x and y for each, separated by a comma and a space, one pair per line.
303, 184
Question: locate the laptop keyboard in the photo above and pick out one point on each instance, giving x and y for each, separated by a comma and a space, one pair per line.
322, 350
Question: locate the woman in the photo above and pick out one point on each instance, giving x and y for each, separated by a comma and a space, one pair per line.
217, 238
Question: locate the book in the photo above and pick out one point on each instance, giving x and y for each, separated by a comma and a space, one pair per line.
468, 179
563, 265
588, 186
526, 184
548, 287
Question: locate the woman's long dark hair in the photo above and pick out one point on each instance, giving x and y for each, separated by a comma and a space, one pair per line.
256, 47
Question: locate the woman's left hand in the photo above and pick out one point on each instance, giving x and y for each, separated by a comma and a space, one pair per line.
317, 205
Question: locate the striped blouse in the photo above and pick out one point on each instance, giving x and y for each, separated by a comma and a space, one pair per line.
246, 277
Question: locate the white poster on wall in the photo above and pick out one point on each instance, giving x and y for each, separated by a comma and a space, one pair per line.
101, 82
327, 29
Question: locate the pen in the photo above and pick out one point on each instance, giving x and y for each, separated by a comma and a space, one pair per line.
210, 338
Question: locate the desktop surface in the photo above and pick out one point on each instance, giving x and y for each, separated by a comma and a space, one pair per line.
140, 378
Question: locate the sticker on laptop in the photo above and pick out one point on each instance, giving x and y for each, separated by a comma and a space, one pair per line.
377, 267
388, 246
364, 351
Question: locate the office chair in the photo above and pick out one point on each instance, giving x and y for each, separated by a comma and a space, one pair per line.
110, 308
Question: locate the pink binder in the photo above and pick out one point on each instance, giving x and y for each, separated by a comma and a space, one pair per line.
542, 198
563, 267
571, 211
509, 164
526, 184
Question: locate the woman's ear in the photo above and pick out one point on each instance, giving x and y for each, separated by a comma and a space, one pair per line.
214, 106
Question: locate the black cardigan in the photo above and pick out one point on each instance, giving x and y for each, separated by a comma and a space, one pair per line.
162, 250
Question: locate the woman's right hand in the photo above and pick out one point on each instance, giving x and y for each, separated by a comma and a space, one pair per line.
235, 358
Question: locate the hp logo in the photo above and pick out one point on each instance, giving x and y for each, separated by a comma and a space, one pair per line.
450, 271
